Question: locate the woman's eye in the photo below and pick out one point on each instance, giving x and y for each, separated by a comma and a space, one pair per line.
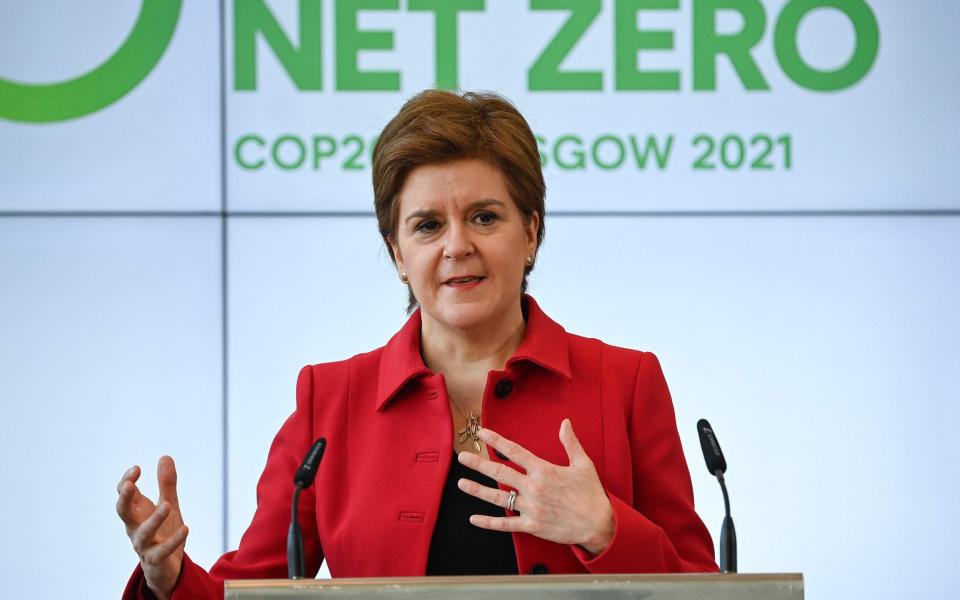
486, 218
428, 226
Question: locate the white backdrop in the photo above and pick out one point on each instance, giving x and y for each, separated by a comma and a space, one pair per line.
156, 296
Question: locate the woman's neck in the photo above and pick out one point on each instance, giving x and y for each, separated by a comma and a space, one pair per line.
449, 350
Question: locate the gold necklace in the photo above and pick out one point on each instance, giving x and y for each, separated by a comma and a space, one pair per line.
471, 429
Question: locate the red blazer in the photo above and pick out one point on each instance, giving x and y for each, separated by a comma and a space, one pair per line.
373, 505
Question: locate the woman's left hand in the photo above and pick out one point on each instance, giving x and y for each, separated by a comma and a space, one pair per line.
566, 505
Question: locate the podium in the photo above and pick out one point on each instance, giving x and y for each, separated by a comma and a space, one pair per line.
684, 586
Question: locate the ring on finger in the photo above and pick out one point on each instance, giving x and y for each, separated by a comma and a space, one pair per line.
511, 500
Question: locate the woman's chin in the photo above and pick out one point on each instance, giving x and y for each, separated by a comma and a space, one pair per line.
464, 314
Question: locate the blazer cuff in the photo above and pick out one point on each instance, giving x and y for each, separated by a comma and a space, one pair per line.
635, 548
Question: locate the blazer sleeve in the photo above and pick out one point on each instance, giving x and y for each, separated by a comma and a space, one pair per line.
263, 548
659, 532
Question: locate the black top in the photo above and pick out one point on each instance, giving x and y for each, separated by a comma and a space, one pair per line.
461, 548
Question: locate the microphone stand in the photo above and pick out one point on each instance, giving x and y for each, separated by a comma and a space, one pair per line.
717, 466
302, 480
728, 535
295, 562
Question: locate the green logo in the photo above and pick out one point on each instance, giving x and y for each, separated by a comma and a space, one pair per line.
102, 86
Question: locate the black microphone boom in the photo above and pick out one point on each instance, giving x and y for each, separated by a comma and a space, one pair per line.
711, 448
717, 467
302, 480
308, 470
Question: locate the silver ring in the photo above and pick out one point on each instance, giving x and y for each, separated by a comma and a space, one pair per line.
511, 500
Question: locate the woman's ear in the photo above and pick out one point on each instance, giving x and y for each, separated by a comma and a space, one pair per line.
531, 230
395, 249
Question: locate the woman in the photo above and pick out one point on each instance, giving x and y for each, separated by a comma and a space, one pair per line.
452, 449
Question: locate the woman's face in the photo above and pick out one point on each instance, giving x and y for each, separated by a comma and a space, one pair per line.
462, 242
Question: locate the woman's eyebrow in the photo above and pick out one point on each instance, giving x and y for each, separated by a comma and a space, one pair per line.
420, 213
430, 212
486, 202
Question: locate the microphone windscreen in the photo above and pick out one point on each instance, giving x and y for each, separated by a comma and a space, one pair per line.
308, 470
711, 448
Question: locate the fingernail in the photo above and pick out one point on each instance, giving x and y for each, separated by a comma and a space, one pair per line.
462, 484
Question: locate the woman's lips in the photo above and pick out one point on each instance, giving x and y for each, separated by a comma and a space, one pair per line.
463, 283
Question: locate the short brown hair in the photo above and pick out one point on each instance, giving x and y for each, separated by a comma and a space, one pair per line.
437, 126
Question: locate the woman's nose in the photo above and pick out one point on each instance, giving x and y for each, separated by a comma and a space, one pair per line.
457, 243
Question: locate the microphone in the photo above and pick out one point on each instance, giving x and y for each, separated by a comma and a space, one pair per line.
302, 480
717, 467
308, 470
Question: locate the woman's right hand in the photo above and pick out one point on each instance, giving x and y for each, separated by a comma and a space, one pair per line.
156, 530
